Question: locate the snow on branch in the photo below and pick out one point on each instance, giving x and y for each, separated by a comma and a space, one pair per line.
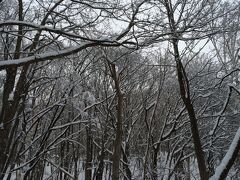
228, 160
52, 55
48, 29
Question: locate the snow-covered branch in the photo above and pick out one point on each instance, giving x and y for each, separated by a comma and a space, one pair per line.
228, 160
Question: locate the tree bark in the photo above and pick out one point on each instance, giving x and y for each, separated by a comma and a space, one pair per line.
88, 166
8, 109
118, 140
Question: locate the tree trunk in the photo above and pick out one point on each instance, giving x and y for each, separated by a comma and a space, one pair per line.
185, 95
9, 104
154, 163
88, 165
119, 131
100, 169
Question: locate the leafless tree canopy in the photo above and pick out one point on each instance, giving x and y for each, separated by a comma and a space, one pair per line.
120, 90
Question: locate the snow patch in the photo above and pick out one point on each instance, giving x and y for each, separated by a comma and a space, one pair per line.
1, 126
11, 96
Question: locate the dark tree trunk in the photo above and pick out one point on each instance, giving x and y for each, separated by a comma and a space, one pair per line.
154, 163
9, 106
89, 149
185, 95
119, 131
100, 169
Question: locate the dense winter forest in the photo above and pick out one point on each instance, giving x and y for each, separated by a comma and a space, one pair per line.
119, 89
